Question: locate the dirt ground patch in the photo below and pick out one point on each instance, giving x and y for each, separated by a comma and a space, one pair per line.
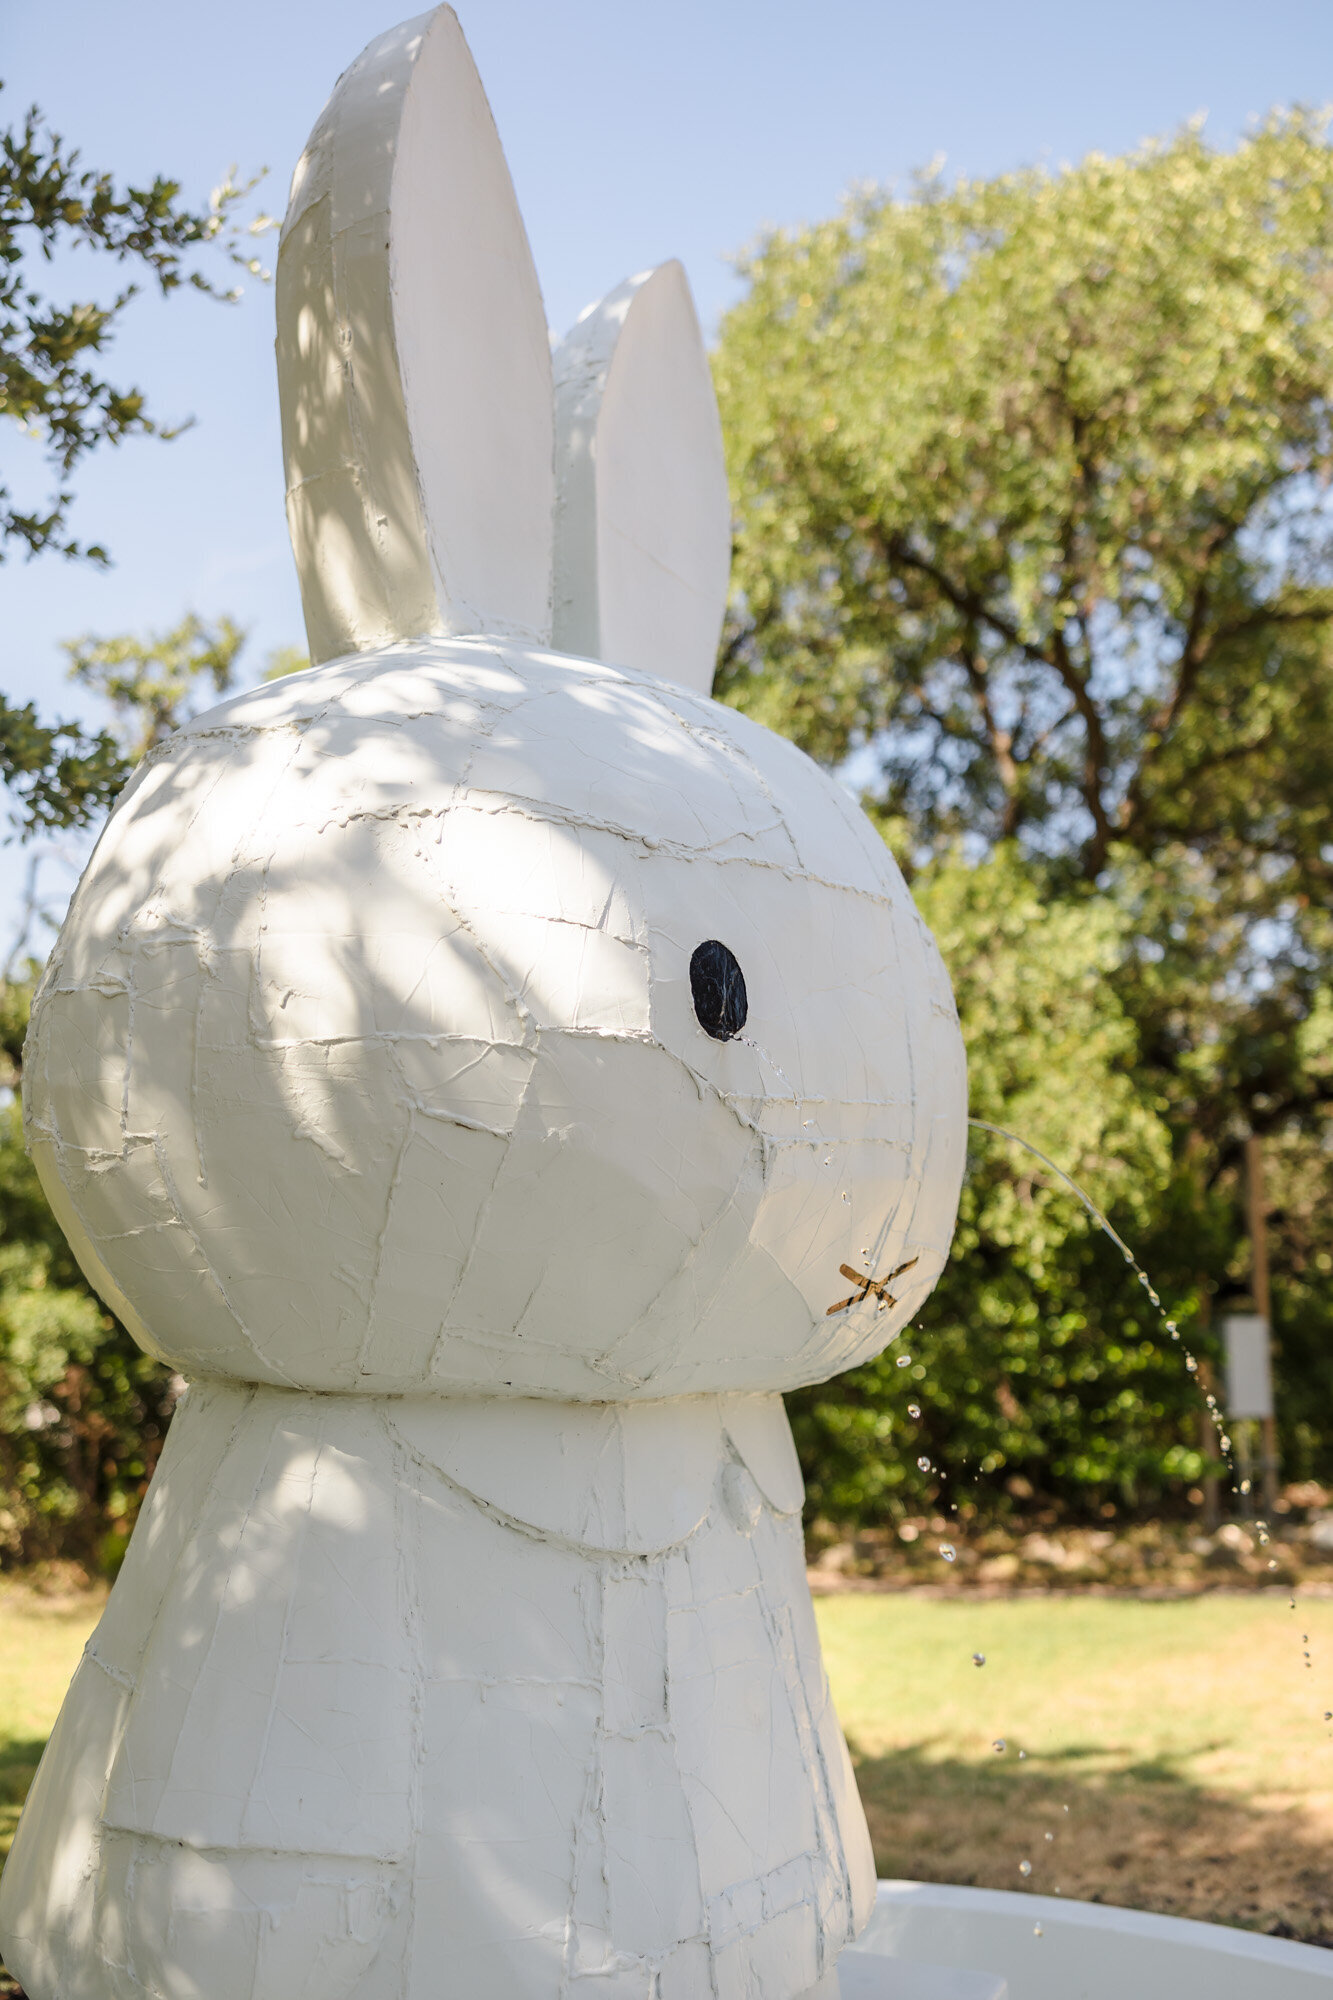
1147, 1839
947, 1552
1177, 1752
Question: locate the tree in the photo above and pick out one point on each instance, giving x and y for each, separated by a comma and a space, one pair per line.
82, 1411
150, 684
1030, 486
59, 773
1031, 497
54, 389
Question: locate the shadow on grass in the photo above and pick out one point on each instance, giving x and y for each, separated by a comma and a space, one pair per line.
1139, 1834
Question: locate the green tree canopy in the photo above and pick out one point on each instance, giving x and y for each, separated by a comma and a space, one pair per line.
151, 684
1031, 489
51, 354
1030, 483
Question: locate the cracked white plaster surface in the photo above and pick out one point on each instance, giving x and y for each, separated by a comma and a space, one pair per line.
643, 524
463, 1646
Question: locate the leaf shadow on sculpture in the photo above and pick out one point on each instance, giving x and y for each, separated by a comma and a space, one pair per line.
465, 1625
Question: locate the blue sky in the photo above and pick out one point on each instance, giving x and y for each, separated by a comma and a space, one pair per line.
633, 133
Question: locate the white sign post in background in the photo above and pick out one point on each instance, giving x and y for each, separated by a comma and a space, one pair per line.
1257, 1205
1250, 1398
1249, 1366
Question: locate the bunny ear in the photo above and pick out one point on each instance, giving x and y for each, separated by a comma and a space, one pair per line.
413, 360
643, 521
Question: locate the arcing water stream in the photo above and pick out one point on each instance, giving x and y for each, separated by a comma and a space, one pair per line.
1224, 1442
1214, 1412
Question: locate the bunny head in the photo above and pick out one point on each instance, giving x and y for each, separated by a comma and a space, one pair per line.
486, 1009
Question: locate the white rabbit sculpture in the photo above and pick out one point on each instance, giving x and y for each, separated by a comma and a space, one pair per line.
491, 1072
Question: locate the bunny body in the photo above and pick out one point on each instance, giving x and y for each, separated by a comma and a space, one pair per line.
491, 1076
414, 1718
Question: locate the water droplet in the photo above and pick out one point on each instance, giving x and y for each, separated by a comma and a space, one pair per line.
923, 1464
1191, 1364
1225, 1443
904, 1360
1025, 1868
1021, 1755
806, 1123
948, 1551
829, 1161
978, 1659
914, 1409
845, 1195
1049, 1836
1066, 1808
1244, 1485
999, 1746
1271, 1563
1037, 1930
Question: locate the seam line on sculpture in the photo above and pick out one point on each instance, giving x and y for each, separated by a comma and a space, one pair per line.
222, 1852
555, 814
247, 1391
707, 733
551, 1538
483, 1213
296, 1546
826, 1812
407, 1558
395, 1180
173, 1195
605, 1361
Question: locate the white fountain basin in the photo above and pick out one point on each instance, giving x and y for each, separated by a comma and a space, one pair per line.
931, 1941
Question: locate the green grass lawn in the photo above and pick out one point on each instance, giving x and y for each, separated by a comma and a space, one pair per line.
1176, 1752
41, 1638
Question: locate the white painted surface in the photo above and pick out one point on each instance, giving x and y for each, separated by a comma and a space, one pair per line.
864, 1975
367, 1059
413, 361
1249, 1365
464, 1650
1050, 1949
643, 523
349, 1726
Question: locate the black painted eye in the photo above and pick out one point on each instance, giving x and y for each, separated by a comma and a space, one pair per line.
718, 986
